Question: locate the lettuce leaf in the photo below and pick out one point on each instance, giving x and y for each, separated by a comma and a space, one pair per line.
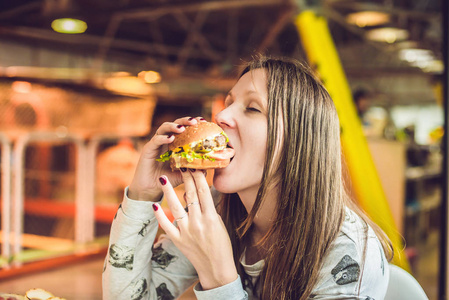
164, 157
208, 157
226, 136
190, 156
204, 156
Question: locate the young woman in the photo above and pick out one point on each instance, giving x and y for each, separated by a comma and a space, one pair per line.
284, 227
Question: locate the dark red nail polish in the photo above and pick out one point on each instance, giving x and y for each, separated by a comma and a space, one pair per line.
163, 180
203, 119
192, 170
183, 169
169, 136
155, 208
191, 118
179, 126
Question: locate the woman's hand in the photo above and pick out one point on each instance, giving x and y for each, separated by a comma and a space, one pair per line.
201, 234
145, 184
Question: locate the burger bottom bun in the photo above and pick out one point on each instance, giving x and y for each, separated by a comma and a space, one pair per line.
177, 162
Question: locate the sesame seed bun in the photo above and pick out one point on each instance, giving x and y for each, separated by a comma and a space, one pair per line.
195, 133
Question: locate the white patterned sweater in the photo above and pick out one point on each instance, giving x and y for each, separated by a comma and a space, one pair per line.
137, 268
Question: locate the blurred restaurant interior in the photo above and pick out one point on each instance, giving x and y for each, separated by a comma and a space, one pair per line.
83, 85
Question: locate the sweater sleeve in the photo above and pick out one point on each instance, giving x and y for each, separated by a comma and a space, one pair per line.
136, 268
230, 291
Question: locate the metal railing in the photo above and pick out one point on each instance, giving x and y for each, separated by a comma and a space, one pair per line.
83, 209
17, 195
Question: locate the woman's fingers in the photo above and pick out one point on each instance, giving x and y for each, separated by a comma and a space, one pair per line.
188, 121
160, 140
168, 128
165, 223
201, 119
203, 192
190, 196
172, 199
178, 126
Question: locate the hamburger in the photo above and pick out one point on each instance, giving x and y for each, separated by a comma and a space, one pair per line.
200, 146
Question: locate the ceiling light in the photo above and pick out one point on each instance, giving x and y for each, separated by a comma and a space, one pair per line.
70, 26
150, 76
368, 18
416, 55
387, 34
423, 59
22, 87
433, 66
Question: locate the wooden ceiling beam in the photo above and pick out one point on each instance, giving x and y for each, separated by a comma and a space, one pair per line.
16, 11
92, 41
285, 17
156, 12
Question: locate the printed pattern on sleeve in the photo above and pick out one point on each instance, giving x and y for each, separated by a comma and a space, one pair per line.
163, 293
346, 271
139, 289
162, 258
121, 256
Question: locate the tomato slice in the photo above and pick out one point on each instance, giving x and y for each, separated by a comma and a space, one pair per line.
222, 154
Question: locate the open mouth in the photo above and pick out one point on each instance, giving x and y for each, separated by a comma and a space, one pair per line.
229, 146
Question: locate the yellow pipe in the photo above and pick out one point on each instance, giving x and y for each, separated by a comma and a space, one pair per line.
322, 55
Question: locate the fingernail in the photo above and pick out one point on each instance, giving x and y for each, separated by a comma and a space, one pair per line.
169, 136
202, 119
191, 118
163, 180
183, 169
155, 208
179, 126
192, 170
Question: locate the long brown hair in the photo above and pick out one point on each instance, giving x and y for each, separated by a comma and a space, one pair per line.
307, 172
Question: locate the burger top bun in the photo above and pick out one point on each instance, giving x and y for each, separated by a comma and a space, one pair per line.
195, 133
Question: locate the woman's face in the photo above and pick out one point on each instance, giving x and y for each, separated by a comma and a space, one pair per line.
244, 120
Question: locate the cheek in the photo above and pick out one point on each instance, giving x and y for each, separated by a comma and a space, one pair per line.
257, 147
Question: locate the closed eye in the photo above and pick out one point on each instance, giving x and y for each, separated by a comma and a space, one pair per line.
252, 109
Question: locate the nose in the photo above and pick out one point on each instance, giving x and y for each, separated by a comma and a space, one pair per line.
225, 118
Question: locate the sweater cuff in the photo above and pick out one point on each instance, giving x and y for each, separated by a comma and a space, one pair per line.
233, 290
135, 209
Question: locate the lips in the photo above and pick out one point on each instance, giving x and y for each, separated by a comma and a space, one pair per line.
229, 146
227, 153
